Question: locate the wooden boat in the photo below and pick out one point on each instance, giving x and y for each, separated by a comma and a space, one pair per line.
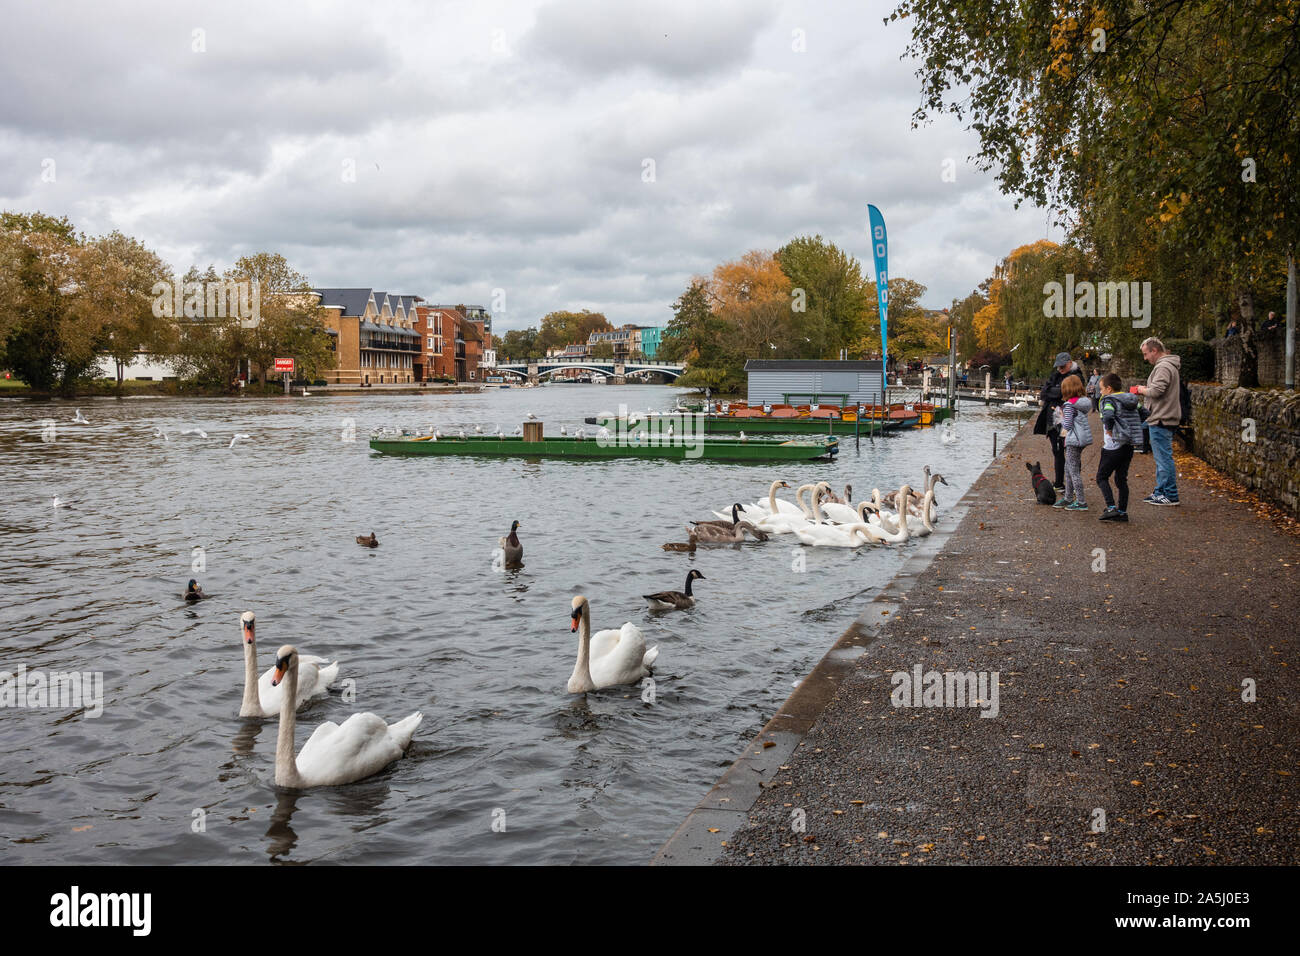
620, 445
761, 424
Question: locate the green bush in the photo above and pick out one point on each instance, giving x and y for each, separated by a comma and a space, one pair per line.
1197, 359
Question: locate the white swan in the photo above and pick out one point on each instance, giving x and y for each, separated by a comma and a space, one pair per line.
773, 505
237, 438
607, 658
79, 420
334, 754
822, 535
262, 698
788, 519
882, 533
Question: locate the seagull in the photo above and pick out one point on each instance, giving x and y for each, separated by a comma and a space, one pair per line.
670, 429
78, 420
531, 417
237, 438
478, 429
562, 431
195, 431
519, 430
500, 434
582, 434
742, 434
434, 438
437, 433
603, 434
56, 503
462, 434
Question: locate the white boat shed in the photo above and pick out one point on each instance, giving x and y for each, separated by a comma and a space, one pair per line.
811, 381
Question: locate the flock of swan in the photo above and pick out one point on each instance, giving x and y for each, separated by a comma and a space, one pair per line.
829, 523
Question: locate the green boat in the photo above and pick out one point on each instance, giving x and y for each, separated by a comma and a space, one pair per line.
678, 448
727, 425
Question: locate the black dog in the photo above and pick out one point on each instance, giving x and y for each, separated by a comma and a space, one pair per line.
1042, 487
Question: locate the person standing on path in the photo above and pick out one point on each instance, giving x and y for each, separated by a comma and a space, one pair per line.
1094, 387
1121, 430
1078, 436
1162, 392
1050, 397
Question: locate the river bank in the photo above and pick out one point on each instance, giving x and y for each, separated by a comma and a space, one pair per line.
12, 389
1143, 682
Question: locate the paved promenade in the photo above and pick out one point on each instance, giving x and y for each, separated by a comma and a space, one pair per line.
1121, 733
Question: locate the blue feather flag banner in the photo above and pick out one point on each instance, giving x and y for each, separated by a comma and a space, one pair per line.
880, 252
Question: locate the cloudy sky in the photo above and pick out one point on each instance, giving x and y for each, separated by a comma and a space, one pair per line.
450, 150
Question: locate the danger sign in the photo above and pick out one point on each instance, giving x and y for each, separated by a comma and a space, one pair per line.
284, 365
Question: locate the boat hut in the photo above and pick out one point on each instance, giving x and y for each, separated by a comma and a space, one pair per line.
813, 382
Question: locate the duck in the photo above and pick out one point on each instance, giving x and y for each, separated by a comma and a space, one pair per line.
262, 698
675, 600
514, 551
335, 754
368, 542
607, 658
193, 592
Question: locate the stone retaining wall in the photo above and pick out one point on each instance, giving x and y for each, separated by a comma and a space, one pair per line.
1271, 347
1268, 466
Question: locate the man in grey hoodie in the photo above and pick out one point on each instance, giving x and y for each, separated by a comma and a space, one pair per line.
1165, 412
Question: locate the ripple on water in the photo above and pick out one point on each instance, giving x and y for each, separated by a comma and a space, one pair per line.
420, 623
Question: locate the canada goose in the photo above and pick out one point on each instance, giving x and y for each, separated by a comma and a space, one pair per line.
370, 542
514, 551
709, 534
688, 547
675, 600
722, 522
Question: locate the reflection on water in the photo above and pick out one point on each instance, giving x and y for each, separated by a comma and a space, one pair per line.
422, 622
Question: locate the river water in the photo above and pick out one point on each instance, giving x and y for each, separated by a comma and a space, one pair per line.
506, 767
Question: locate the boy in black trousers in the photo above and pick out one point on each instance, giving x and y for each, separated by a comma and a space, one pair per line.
1122, 430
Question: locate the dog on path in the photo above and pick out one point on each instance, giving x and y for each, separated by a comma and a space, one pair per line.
1042, 487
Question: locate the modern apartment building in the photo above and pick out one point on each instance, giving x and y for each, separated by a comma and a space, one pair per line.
374, 336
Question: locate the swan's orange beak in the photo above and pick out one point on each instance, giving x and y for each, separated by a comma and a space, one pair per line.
573, 620
248, 633
278, 675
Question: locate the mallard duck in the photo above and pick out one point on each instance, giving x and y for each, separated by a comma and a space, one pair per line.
514, 551
368, 542
675, 600
193, 592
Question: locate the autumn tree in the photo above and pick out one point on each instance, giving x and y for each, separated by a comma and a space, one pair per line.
1152, 105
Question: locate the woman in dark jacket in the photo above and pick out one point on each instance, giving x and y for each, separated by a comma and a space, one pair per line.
1050, 398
